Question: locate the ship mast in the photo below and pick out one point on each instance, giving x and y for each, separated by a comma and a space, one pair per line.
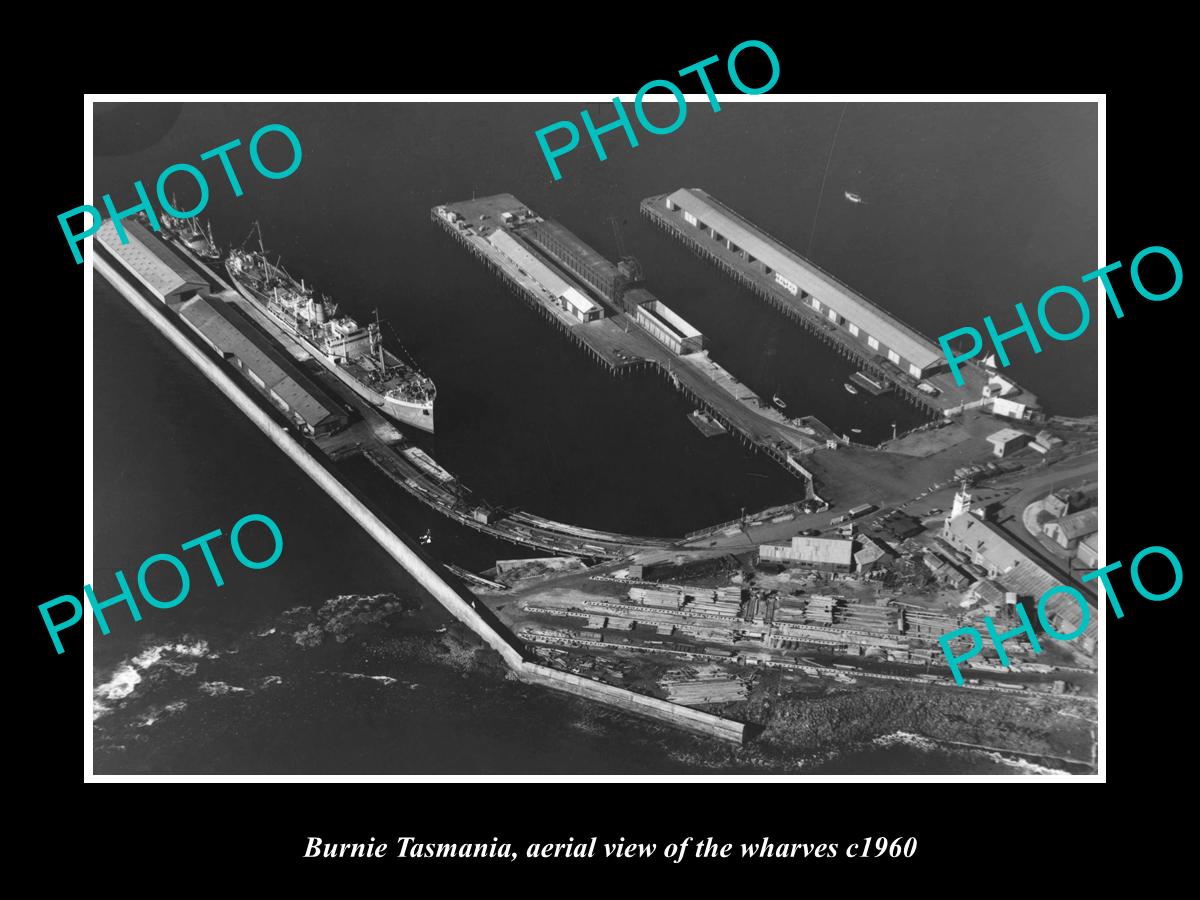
262, 251
379, 337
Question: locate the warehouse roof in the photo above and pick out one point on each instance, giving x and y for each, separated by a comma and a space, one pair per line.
542, 273
878, 323
150, 259
822, 550
870, 552
1016, 570
1079, 524
212, 319
1004, 435
577, 300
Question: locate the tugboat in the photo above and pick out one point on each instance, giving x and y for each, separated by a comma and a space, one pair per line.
851, 388
190, 233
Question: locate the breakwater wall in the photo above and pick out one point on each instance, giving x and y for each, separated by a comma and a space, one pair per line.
672, 713
511, 650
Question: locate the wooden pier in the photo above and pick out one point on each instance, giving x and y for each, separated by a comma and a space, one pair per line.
622, 346
808, 319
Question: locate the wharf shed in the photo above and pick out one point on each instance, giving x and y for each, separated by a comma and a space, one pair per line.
301, 399
563, 292
844, 307
152, 262
669, 328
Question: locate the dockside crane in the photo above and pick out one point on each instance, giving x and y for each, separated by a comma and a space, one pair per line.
628, 266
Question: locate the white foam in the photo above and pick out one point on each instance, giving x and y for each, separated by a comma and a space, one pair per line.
128, 675
220, 688
382, 679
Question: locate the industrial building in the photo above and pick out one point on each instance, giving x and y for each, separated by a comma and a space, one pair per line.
583, 261
873, 555
151, 262
989, 546
669, 328
1007, 441
300, 399
1087, 553
1068, 531
580, 306
824, 554
1059, 504
839, 305
1046, 442
565, 295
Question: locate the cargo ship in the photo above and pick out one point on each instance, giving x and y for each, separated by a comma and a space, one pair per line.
352, 352
191, 234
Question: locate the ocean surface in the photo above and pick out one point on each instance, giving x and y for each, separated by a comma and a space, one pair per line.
968, 209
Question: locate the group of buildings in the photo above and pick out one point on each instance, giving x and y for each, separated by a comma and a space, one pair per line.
163, 275
1008, 441
1071, 528
1011, 571
860, 553
971, 554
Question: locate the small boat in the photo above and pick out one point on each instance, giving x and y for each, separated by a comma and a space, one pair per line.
853, 197
851, 388
707, 425
856, 430
427, 537
778, 402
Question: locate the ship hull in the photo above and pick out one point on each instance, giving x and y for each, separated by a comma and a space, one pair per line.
405, 413
409, 413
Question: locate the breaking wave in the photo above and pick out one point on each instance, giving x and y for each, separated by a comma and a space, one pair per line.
220, 689
179, 657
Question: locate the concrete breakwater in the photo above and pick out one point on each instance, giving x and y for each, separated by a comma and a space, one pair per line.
459, 602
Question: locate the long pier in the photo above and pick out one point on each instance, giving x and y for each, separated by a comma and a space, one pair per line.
809, 320
621, 345
378, 442
457, 600
937, 393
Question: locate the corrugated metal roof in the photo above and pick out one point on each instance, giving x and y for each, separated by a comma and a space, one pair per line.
822, 550
847, 302
149, 258
214, 322
508, 245
1079, 524
577, 300
1016, 571
1004, 435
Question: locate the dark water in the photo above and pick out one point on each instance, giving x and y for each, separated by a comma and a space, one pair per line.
969, 209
